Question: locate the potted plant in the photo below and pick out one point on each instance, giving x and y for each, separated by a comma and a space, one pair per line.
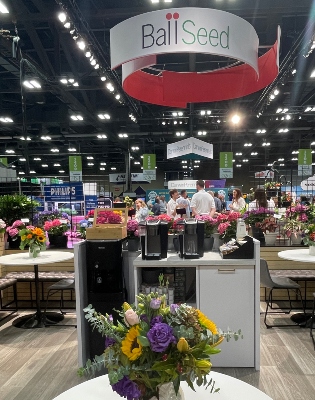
49, 215
272, 188
56, 233
227, 224
16, 206
13, 230
269, 226
254, 218
210, 227
309, 237
133, 235
295, 218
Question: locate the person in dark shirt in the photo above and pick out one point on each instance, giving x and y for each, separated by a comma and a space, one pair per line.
156, 209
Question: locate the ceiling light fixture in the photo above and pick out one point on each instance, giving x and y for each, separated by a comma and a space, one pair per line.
3, 8
76, 117
32, 84
45, 137
103, 116
122, 135
235, 119
101, 136
90, 158
54, 150
6, 120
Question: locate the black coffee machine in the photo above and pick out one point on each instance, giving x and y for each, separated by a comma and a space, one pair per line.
153, 235
191, 238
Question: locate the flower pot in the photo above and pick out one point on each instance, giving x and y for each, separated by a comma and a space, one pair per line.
295, 240
14, 244
34, 251
176, 243
59, 242
170, 242
311, 250
258, 234
270, 238
133, 244
208, 243
217, 242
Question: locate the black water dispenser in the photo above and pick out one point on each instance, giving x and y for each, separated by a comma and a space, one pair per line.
191, 239
154, 238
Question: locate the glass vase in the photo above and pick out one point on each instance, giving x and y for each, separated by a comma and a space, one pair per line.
34, 251
311, 250
167, 392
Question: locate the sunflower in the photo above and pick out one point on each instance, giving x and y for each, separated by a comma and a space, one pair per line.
207, 323
130, 345
41, 239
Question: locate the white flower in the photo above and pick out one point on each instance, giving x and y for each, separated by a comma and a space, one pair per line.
131, 318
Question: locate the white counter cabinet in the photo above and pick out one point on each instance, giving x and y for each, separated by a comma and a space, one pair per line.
227, 291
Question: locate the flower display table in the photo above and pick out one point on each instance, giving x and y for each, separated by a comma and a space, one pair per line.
230, 389
36, 320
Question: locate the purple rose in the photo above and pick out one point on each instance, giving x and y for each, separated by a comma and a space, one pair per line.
109, 342
160, 336
155, 304
156, 320
173, 308
127, 388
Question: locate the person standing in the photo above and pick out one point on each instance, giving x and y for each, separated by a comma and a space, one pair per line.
217, 201
172, 205
223, 202
260, 201
238, 202
184, 203
163, 204
156, 209
202, 202
141, 210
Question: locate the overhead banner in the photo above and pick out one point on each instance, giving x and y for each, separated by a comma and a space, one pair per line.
190, 146
226, 164
190, 30
184, 30
121, 178
305, 162
75, 168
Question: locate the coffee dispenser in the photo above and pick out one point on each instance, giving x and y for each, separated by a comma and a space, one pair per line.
153, 237
191, 239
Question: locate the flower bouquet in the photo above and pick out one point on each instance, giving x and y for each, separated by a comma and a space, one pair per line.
309, 234
153, 345
269, 225
55, 227
34, 238
109, 217
2, 226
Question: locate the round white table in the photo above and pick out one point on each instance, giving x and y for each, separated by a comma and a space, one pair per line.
301, 255
36, 320
230, 389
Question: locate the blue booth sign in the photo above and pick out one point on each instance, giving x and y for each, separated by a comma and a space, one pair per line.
90, 203
67, 192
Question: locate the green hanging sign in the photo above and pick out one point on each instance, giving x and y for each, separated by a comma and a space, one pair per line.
4, 161
305, 162
149, 161
226, 164
75, 168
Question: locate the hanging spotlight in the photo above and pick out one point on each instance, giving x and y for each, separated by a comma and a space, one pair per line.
62, 17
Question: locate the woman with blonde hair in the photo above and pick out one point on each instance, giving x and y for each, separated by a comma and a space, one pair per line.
237, 201
142, 210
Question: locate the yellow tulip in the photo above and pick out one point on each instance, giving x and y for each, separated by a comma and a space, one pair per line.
204, 365
182, 345
126, 306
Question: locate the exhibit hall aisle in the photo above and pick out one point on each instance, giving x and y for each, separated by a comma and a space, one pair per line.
40, 364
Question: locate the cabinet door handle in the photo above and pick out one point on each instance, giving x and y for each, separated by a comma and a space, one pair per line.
226, 271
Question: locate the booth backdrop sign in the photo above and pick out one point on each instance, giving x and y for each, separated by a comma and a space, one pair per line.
184, 30
215, 183
67, 192
265, 174
189, 184
226, 164
305, 162
189, 146
190, 30
121, 178
90, 203
75, 168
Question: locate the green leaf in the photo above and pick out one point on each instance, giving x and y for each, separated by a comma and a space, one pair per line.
143, 341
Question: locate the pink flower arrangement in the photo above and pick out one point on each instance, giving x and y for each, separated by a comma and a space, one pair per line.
132, 228
15, 228
227, 224
55, 227
109, 217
